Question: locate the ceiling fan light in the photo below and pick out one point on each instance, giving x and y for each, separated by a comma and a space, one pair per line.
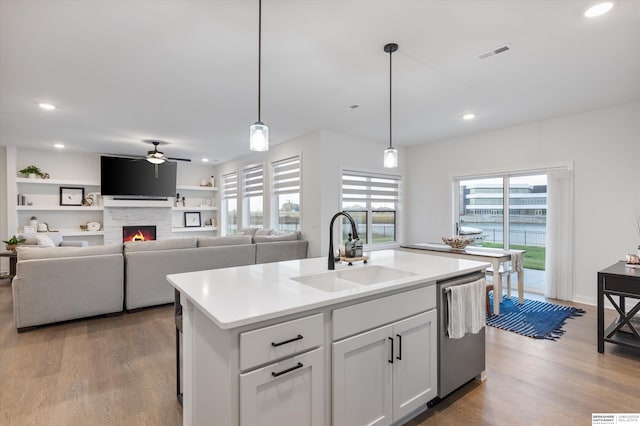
390, 158
259, 137
155, 160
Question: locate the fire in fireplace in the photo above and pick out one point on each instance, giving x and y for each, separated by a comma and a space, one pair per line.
138, 233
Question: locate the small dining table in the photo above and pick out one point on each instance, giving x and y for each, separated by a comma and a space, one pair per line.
492, 255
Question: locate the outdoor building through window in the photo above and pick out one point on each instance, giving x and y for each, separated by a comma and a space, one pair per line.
373, 201
253, 179
230, 203
286, 193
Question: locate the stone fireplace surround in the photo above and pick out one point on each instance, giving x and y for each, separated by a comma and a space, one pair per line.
119, 213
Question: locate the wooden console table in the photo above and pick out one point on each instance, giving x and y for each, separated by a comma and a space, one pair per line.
491, 255
13, 259
619, 280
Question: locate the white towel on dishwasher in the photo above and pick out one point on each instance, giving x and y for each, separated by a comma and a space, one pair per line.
466, 308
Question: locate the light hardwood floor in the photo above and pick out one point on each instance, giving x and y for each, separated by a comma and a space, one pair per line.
121, 371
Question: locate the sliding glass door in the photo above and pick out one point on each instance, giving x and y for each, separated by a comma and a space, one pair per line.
507, 211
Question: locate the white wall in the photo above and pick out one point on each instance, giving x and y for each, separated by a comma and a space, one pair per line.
603, 145
70, 166
4, 235
324, 155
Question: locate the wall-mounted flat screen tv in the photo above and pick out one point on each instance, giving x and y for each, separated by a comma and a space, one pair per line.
136, 177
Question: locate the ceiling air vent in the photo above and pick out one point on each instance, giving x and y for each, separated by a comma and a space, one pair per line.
500, 49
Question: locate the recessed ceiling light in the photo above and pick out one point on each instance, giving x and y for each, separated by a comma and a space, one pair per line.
205, 160
469, 116
59, 145
48, 107
598, 9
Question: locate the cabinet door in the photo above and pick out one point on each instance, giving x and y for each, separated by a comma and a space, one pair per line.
415, 377
362, 379
289, 392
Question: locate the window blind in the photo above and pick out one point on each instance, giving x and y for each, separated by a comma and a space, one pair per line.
364, 187
253, 181
286, 176
230, 186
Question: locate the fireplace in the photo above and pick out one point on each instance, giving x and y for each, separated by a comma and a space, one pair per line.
138, 233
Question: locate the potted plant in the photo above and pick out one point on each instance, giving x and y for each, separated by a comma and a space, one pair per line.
13, 242
31, 171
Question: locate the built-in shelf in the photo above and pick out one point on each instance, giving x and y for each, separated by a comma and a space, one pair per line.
194, 229
39, 181
196, 188
73, 233
68, 208
198, 208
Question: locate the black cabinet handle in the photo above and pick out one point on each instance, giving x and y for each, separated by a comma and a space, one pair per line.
299, 337
391, 358
295, 367
399, 347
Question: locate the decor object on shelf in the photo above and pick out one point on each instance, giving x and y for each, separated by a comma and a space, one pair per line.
93, 226
207, 202
203, 182
70, 196
539, 320
457, 243
192, 219
45, 176
42, 227
27, 229
212, 181
13, 242
33, 221
31, 171
391, 153
259, 132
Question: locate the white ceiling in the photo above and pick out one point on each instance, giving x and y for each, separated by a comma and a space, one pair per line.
186, 71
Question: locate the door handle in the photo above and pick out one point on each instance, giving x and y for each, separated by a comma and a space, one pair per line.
280, 373
298, 337
391, 357
399, 357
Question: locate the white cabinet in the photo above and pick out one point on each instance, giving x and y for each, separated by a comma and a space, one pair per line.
195, 199
289, 392
382, 375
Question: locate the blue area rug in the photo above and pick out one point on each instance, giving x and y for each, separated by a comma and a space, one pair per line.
539, 320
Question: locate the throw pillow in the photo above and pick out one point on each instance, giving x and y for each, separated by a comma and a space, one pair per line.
45, 241
262, 231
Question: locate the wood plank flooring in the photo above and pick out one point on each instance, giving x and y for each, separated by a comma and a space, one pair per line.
121, 371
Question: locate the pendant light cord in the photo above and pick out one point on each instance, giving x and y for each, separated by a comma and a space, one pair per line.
390, 102
259, 54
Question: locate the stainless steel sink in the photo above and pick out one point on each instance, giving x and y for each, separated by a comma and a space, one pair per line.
346, 279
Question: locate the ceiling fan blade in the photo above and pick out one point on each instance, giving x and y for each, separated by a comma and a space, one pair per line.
188, 160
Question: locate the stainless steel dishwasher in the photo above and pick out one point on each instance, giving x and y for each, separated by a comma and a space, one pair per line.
459, 360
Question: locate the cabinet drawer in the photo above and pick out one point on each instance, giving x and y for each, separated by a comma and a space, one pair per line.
622, 284
281, 340
355, 319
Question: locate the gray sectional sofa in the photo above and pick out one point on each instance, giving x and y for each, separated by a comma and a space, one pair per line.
62, 283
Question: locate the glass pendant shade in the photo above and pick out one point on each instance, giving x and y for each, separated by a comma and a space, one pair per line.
259, 137
390, 157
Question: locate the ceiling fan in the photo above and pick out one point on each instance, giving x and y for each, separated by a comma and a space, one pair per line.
156, 157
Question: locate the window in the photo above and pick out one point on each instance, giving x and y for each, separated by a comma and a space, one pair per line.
286, 194
230, 203
253, 179
372, 201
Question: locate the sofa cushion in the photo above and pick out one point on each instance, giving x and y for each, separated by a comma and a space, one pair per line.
247, 231
263, 231
289, 236
27, 253
176, 243
229, 240
45, 241
31, 239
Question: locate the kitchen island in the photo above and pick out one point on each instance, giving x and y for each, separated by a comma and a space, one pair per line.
292, 343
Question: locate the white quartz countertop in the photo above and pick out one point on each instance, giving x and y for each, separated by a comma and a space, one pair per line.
239, 296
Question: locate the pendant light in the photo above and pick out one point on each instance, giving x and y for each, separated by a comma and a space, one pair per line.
259, 132
390, 154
